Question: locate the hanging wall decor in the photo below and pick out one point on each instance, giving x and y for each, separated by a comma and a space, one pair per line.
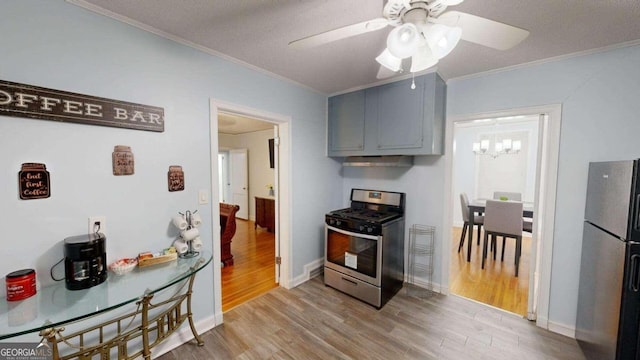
122, 160
176, 178
33, 180
21, 100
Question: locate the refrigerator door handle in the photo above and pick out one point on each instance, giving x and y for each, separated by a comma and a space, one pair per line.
634, 279
637, 209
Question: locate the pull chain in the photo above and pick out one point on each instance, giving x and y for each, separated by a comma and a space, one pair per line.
413, 81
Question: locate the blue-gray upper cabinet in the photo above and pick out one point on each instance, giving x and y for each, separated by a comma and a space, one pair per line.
397, 120
346, 124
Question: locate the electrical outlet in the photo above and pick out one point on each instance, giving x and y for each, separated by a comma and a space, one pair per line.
93, 224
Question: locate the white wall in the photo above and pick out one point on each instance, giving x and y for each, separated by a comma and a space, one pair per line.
260, 174
57, 45
466, 164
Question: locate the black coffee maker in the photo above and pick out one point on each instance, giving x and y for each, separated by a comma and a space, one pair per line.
85, 261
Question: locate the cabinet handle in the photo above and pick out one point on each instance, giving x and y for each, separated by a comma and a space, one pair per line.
634, 271
350, 281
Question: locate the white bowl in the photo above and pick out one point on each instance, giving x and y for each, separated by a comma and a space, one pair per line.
123, 266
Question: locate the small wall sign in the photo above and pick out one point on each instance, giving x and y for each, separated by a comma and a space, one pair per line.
21, 100
122, 160
176, 178
34, 182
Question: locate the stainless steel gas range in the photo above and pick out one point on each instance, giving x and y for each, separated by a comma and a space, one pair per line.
364, 246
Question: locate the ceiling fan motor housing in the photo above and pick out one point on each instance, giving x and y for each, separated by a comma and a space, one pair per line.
416, 12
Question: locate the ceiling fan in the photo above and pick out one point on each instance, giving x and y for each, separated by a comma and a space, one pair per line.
424, 32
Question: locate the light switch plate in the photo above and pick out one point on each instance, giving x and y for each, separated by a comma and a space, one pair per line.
203, 197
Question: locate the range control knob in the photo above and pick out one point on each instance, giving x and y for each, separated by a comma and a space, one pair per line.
338, 222
331, 221
369, 229
361, 228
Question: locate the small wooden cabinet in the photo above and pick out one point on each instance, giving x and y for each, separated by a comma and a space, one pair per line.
266, 213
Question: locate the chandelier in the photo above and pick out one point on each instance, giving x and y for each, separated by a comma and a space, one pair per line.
504, 147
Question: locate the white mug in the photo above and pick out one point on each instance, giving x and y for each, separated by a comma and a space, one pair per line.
190, 234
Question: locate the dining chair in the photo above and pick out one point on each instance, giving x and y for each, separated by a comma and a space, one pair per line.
515, 196
477, 220
503, 218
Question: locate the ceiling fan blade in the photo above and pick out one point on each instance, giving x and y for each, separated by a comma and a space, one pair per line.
483, 31
340, 33
385, 72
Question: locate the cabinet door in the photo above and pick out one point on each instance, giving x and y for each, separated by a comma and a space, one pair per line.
270, 214
259, 211
346, 123
399, 111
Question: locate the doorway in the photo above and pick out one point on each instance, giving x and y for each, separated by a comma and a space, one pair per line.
493, 155
237, 129
251, 175
549, 121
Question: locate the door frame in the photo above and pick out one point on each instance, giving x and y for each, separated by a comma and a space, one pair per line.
282, 189
545, 200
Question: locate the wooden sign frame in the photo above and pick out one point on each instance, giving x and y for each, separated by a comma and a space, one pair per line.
28, 101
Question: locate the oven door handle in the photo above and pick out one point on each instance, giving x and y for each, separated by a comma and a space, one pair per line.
351, 233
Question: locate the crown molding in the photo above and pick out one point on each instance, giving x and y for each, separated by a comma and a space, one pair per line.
102, 11
547, 60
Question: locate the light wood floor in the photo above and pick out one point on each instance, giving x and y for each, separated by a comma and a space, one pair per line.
253, 271
496, 285
312, 321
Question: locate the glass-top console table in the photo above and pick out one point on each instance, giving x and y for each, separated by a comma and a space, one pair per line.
54, 306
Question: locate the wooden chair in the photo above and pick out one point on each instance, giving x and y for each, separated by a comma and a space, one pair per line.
477, 220
503, 218
227, 230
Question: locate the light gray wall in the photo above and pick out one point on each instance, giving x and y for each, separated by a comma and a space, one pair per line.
58, 45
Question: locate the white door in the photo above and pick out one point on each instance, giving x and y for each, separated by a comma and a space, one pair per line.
238, 164
223, 176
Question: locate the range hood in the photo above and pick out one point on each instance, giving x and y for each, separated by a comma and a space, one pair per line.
386, 160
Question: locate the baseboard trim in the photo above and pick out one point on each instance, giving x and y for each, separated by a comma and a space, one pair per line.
310, 271
184, 335
562, 329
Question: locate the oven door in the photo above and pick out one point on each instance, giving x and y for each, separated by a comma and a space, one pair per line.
354, 254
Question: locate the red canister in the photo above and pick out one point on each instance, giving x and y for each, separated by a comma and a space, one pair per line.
21, 284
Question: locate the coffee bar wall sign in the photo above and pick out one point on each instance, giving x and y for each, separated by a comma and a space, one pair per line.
122, 160
33, 180
176, 178
36, 102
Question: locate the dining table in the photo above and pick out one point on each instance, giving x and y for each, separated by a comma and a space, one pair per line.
478, 207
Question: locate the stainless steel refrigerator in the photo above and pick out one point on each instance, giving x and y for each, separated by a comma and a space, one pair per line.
608, 316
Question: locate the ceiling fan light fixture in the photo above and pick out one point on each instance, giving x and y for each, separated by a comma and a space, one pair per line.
389, 61
442, 38
403, 41
423, 59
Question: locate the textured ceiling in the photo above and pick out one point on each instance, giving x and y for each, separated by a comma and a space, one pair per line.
233, 124
257, 32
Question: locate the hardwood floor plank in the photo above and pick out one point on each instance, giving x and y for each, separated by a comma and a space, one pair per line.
313, 321
496, 284
253, 271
